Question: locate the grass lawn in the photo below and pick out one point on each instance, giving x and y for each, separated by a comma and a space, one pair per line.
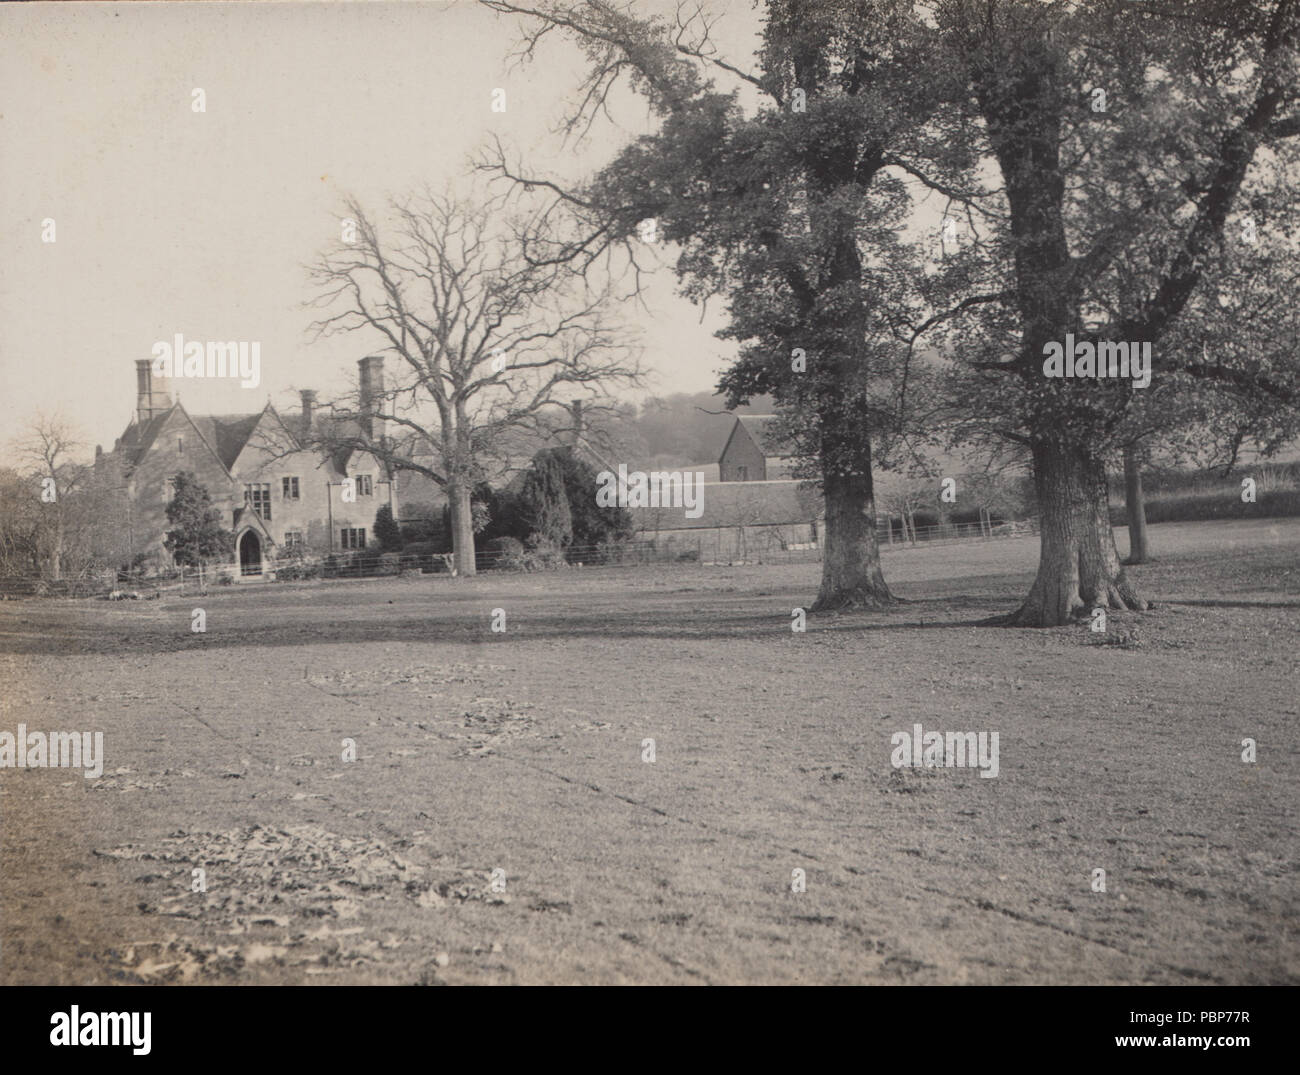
522, 752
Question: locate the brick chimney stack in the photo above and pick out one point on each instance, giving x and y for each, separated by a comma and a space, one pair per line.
152, 392
308, 407
372, 394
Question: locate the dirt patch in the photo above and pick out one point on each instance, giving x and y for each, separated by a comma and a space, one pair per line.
299, 897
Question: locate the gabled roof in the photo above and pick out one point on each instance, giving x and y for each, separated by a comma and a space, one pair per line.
136, 439
226, 433
221, 435
247, 518
763, 431
236, 432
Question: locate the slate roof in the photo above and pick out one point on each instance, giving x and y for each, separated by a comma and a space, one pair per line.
137, 439
225, 434
228, 434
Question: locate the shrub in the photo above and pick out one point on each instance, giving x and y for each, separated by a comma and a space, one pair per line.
135, 569
426, 561
557, 486
544, 555
348, 565
506, 553
295, 569
420, 530
225, 578
388, 535
296, 563
389, 563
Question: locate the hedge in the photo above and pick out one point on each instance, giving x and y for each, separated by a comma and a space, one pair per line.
1193, 507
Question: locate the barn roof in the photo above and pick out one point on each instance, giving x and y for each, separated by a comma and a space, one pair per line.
764, 431
727, 504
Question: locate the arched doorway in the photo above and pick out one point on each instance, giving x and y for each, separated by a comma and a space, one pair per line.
250, 553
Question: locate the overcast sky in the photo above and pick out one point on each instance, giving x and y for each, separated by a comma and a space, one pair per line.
174, 221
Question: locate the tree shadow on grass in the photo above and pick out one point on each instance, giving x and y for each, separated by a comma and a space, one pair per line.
1205, 603
83, 634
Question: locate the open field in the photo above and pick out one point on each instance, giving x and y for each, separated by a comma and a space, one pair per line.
523, 751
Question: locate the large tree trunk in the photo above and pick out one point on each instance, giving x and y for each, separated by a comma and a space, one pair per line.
851, 575
1078, 565
1139, 552
462, 528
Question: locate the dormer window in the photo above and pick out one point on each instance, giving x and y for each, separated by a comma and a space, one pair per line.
364, 485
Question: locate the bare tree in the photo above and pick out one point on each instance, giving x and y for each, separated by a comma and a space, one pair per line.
996, 488
21, 526
45, 448
745, 510
489, 343
904, 494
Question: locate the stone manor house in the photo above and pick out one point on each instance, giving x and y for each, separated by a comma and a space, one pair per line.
273, 490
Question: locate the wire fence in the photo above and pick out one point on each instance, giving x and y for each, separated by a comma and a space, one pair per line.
732, 547
929, 535
13, 587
